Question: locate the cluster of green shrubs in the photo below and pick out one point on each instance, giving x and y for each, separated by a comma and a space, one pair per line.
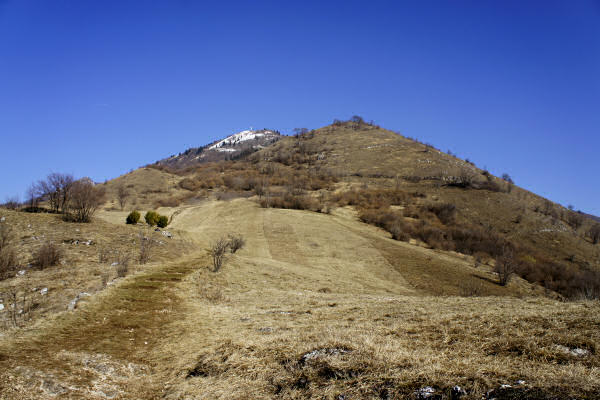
152, 218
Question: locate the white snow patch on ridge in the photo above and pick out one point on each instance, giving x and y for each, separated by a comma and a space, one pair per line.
239, 137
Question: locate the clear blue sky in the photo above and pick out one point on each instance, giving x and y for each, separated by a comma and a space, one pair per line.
96, 88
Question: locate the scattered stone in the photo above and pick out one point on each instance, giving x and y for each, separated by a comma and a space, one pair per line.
265, 330
576, 352
21, 272
44, 291
520, 382
113, 264
73, 303
328, 351
167, 234
106, 391
53, 388
579, 352
505, 386
457, 392
425, 392
2, 219
1, 306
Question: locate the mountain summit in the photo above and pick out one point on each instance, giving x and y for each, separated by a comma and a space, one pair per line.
230, 148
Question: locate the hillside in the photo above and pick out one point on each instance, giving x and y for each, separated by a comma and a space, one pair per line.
230, 148
369, 270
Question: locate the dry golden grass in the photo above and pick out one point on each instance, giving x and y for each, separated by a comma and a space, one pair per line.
81, 269
384, 317
314, 306
145, 187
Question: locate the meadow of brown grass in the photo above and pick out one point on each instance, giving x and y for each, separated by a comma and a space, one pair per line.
317, 303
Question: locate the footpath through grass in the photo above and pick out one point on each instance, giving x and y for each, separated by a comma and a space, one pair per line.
123, 324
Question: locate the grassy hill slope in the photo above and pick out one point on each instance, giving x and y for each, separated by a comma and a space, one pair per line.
314, 306
368, 272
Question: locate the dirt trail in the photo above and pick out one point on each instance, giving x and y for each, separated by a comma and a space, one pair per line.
102, 349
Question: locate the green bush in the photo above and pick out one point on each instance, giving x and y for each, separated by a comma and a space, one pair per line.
133, 217
162, 221
151, 218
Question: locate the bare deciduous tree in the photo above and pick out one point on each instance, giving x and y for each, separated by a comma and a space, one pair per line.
85, 198
505, 266
32, 196
56, 189
12, 203
594, 233
122, 195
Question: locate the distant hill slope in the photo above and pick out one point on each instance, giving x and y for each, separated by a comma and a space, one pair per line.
410, 189
230, 148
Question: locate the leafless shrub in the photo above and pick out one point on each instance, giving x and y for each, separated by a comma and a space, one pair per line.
291, 199
399, 231
594, 233
217, 252
470, 287
11, 203
19, 302
85, 200
104, 279
103, 255
147, 245
47, 256
574, 219
8, 255
473, 239
464, 179
434, 237
547, 208
444, 211
489, 184
122, 195
236, 242
122, 266
505, 266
